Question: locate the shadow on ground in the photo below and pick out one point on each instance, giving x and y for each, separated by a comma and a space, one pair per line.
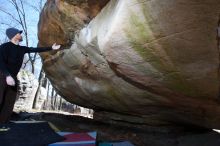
142, 135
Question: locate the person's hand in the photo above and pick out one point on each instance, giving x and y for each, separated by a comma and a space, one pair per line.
10, 81
55, 46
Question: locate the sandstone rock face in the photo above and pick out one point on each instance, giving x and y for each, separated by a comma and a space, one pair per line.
148, 62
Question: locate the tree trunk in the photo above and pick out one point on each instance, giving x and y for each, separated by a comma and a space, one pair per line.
40, 80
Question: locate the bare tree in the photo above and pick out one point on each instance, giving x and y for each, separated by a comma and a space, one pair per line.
40, 81
20, 18
38, 7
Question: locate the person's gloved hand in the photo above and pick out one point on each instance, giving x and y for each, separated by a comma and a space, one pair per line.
55, 46
10, 81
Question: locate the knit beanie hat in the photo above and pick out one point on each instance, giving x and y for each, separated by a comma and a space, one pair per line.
11, 32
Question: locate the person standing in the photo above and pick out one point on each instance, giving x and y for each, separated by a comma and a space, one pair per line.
11, 59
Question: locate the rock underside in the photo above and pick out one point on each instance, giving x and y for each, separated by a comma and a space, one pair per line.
144, 62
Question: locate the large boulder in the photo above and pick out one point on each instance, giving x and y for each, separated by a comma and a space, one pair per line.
146, 62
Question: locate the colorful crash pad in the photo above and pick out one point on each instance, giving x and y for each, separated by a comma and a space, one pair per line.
77, 139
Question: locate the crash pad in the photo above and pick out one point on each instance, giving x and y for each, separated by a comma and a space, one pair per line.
27, 134
77, 139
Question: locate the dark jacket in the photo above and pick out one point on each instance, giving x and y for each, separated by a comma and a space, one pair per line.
11, 57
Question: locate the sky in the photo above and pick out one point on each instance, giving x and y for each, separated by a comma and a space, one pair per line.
31, 14
32, 18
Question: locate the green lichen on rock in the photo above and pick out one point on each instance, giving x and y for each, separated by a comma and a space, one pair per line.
140, 36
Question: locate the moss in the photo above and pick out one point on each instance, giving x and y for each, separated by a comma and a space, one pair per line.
111, 93
116, 98
139, 34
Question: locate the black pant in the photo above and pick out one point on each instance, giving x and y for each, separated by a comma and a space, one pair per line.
7, 99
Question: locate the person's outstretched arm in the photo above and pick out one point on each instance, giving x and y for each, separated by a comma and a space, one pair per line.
40, 49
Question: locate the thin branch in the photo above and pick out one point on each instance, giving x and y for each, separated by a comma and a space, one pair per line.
9, 25
25, 63
19, 13
12, 16
23, 14
14, 2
